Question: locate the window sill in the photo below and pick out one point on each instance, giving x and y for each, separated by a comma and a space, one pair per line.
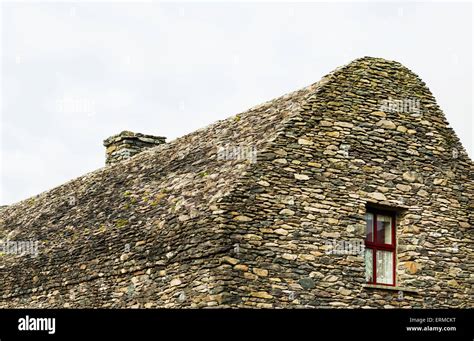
387, 287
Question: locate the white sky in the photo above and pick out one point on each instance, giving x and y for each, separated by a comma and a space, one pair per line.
74, 74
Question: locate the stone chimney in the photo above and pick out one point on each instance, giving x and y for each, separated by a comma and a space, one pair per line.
126, 144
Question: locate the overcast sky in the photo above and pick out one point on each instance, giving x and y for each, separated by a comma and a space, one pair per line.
74, 74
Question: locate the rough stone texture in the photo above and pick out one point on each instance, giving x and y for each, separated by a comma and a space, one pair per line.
176, 226
127, 144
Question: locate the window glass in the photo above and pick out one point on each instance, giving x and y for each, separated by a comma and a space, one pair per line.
369, 273
369, 227
384, 267
384, 229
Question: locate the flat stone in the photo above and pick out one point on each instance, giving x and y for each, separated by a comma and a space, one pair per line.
333, 133
175, 282
423, 193
344, 291
326, 234
230, 260
242, 218
287, 211
412, 267
250, 276
305, 142
241, 267
386, 124
377, 196
453, 283
378, 113
282, 232
301, 177
404, 188
307, 283
344, 124
261, 294
289, 256
410, 176
260, 272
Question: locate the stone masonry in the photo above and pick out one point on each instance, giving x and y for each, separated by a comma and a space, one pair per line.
187, 224
127, 144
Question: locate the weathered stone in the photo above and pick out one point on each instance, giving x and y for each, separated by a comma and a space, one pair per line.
333, 133
404, 188
283, 188
241, 267
127, 144
412, 267
378, 113
282, 232
301, 177
289, 256
175, 282
410, 176
307, 283
243, 218
260, 272
230, 260
287, 211
423, 193
261, 294
453, 283
402, 129
344, 291
377, 196
344, 124
305, 142
386, 124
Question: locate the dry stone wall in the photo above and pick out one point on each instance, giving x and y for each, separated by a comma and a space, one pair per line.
353, 145
193, 223
127, 144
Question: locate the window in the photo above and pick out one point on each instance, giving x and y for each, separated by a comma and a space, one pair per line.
380, 246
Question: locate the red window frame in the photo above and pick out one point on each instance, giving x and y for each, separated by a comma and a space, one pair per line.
374, 246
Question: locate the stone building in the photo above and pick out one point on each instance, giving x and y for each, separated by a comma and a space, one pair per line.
352, 192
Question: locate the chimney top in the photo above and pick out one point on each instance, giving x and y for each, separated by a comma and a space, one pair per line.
126, 144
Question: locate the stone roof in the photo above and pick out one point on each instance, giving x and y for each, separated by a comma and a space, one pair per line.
173, 182
163, 197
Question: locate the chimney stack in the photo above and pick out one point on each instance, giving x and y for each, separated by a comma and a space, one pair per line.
126, 144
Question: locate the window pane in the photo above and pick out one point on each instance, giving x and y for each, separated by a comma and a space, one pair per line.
384, 229
369, 227
385, 267
369, 273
